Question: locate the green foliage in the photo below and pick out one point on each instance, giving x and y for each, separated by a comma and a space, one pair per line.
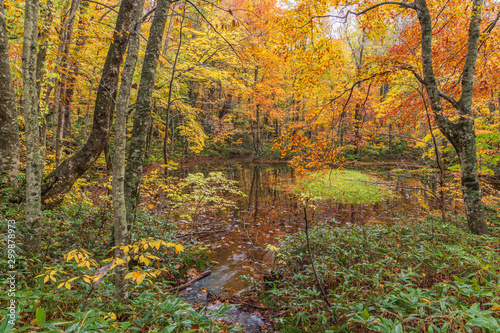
200, 190
487, 146
430, 277
58, 294
145, 312
345, 186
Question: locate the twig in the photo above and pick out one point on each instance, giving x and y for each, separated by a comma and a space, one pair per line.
190, 282
203, 232
312, 261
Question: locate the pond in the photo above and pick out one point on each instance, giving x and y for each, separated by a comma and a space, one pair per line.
239, 243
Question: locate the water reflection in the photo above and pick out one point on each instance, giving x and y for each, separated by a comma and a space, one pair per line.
269, 212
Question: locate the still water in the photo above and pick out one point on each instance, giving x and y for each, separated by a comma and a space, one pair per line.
268, 212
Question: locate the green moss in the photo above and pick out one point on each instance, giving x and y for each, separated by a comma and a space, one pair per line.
345, 186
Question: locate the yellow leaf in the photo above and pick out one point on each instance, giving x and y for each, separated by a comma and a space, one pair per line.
67, 285
151, 206
46, 279
129, 275
120, 261
60, 285
140, 278
495, 308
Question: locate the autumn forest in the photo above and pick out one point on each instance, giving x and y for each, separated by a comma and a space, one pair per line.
250, 166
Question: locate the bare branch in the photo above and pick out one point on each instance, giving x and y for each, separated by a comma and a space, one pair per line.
217, 32
364, 11
104, 5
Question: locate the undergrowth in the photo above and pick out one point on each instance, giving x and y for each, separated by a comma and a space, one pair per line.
57, 291
428, 277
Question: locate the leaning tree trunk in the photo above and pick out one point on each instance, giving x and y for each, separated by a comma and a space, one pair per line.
143, 111
9, 137
121, 234
60, 181
32, 237
461, 133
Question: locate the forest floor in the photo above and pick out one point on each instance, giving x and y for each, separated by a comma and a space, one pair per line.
418, 274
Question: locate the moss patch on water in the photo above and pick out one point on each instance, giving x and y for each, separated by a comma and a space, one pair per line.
344, 186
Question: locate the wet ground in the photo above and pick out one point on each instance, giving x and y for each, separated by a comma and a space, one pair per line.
239, 247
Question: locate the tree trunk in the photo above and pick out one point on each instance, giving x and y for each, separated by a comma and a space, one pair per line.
149, 139
143, 111
169, 31
465, 145
74, 70
121, 235
60, 181
62, 83
40, 74
32, 237
461, 133
9, 138
172, 77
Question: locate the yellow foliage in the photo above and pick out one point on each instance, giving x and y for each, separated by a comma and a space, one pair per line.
194, 133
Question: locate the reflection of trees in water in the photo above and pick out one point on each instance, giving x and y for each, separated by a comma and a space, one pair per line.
267, 202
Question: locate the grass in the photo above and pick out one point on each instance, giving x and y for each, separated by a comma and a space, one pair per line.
344, 186
429, 277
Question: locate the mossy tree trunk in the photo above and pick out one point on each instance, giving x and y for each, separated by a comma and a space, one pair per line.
143, 110
32, 236
60, 181
121, 235
460, 133
9, 137
40, 74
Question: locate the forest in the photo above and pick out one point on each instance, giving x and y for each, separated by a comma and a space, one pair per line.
250, 166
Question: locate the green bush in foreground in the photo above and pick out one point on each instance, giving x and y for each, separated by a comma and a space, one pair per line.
421, 278
345, 186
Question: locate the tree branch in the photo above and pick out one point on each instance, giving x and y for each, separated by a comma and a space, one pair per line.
471, 59
364, 11
217, 32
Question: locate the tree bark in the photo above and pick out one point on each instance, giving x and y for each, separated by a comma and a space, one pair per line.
60, 181
40, 74
172, 77
62, 83
121, 234
143, 111
32, 237
9, 129
461, 133
74, 69
169, 31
